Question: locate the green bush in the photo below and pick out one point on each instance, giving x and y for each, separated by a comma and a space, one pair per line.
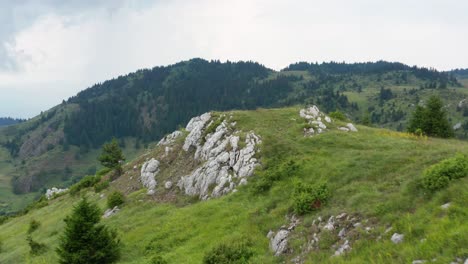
103, 171
87, 181
307, 197
274, 172
35, 248
157, 260
115, 199
338, 115
33, 226
438, 176
237, 252
101, 186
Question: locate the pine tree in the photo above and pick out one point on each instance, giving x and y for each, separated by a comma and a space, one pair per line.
112, 155
431, 119
85, 240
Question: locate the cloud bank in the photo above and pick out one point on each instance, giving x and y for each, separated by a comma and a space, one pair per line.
50, 50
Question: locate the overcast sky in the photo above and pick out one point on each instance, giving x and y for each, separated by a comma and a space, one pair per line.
51, 49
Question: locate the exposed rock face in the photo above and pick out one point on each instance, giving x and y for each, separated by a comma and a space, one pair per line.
110, 212
148, 171
169, 139
315, 119
343, 248
319, 122
225, 163
457, 126
397, 238
195, 127
168, 185
53, 191
279, 241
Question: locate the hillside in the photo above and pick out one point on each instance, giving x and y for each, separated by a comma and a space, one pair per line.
234, 178
6, 121
60, 146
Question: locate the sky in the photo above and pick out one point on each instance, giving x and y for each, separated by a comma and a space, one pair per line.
52, 49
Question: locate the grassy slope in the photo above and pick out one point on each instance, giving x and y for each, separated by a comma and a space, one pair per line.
371, 172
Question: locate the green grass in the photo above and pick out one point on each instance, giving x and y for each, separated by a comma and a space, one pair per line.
373, 173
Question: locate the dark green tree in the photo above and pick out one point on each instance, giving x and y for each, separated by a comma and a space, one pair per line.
84, 240
112, 155
431, 119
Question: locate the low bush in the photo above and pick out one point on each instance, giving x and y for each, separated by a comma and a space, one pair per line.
115, 199
236, 252
307, 197
101, 186
35, 248
87, 181
438, 176
274, 172
33, 226
157, 260
338, 115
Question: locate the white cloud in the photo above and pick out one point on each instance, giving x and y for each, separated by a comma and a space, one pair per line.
59, 54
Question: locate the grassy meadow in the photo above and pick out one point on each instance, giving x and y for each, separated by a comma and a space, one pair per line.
373, 173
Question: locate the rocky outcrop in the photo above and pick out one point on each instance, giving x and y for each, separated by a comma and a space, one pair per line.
54, 191
110, 212
397, 238
457, 126
225, 164
318, 122
195, 127
279, 240
149, 169
170, 139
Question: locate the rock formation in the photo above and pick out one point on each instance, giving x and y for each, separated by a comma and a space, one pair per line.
53, 191
225, 164
148, 171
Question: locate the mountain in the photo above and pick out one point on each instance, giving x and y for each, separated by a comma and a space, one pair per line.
60, 146
285, 185
6, 121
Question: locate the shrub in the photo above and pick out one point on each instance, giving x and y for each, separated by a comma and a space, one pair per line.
274, 172
33, 226
438, 176
338, 115
101, 186
103, 171
115, 199
307, 198
236, 252
157, 260
87, 181
35, 248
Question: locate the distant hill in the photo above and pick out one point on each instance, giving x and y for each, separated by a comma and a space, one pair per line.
6, 121
60, 146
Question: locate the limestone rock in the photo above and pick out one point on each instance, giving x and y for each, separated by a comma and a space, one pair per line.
110, 212
343, 249
148, 171
195, 127
169, 139
445, 206
53, 191
279, 243
225, 165
397, 238
351, 127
